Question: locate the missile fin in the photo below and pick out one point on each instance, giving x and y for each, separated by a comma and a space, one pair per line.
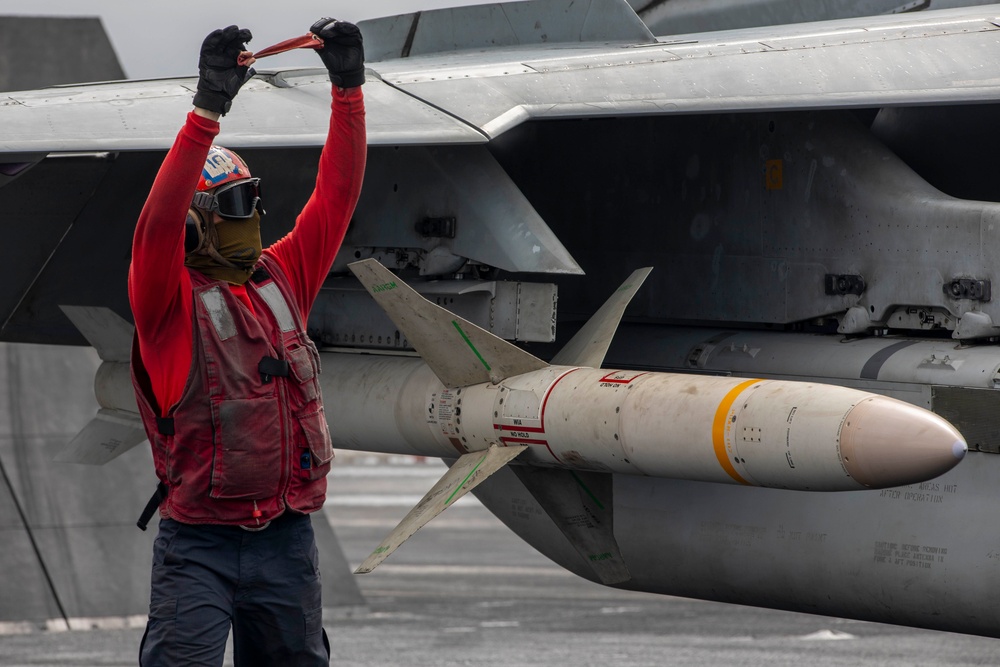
580, 503
590, 344
459, 352
111, 432
106, 436
466, 473
103, 328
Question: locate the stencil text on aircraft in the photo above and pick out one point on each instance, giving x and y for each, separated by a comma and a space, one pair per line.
908, 554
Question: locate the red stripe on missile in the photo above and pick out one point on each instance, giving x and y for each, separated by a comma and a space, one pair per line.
545, 402
620, 380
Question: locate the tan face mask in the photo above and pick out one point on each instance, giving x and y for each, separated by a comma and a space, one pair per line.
227, 250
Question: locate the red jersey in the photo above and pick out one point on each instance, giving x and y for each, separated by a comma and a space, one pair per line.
159, 286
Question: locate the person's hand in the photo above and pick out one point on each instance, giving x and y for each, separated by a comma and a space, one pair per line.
223, 67
343, 51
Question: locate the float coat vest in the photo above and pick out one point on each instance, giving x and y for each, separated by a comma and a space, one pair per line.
248, 438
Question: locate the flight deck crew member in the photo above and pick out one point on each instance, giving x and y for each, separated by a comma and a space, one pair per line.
226, 378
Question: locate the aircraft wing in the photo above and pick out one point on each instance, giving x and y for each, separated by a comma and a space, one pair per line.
930, 58
276, 109
466, 92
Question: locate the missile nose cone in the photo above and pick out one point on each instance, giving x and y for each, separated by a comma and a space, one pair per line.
885, 442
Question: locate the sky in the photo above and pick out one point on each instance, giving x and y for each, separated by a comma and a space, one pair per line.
158, 39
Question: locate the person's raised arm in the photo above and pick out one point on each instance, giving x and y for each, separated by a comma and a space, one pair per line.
307, 252
159, 289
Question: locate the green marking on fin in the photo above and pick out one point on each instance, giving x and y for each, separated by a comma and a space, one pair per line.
471, 346
384, 287
459, 487
380, 550
589, 492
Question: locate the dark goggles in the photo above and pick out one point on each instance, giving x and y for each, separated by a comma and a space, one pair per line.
233, 200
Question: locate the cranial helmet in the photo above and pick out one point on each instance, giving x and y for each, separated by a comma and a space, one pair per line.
226, 186
222, 166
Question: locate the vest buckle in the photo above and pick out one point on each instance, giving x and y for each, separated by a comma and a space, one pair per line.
269, 368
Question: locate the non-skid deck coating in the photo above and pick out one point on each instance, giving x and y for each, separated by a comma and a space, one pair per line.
465, 591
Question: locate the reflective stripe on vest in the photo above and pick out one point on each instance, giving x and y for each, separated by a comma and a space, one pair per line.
217, 310
279, 307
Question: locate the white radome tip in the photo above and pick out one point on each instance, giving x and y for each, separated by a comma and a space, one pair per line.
959, 449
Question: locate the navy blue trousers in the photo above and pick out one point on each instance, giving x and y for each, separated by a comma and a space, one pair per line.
264, 585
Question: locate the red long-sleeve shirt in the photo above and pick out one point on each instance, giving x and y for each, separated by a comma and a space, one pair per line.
159, 285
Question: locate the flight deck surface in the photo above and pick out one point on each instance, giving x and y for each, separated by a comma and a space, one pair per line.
466, 591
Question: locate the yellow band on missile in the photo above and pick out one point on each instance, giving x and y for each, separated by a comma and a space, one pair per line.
719, 430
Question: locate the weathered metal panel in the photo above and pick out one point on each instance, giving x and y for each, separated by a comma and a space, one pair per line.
504, 24
743, 216
454, 348
669, 17
909, 562
974, 412
944, 54
850, 64
494, 223
276, 108
877, 364
528, 310
344, 315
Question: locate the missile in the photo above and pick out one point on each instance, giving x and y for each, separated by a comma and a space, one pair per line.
771, 433
473, 395
783, 434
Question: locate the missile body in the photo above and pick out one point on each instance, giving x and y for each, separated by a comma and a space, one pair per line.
773, 433
471, 392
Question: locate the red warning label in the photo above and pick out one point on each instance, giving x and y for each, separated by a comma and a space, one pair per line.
619, 378
518, 434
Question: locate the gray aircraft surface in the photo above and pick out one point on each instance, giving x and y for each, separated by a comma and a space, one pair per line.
818, 201
675, 17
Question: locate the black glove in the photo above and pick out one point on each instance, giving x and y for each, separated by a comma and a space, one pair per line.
343, 51
220, 75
